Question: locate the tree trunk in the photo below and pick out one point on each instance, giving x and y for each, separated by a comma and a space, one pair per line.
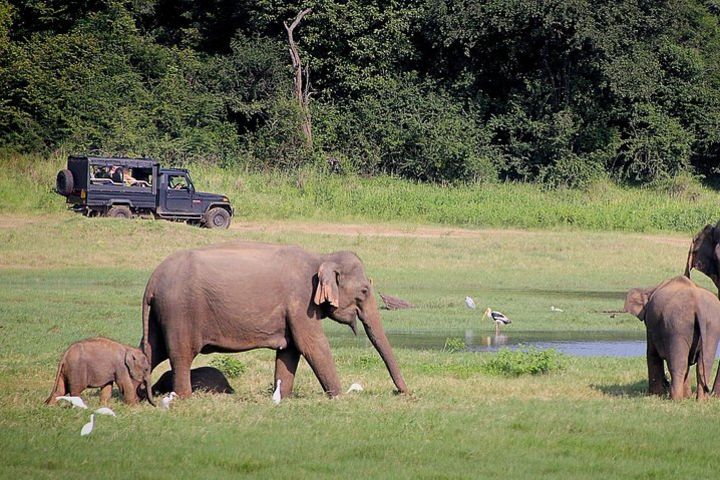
302, 92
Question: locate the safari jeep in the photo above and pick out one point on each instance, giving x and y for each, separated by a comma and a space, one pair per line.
127, 187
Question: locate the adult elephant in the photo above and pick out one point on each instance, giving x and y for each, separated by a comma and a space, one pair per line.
704, 254
244, 295
683, 328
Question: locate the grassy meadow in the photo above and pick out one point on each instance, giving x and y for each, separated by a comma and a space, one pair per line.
64, 277
679, 205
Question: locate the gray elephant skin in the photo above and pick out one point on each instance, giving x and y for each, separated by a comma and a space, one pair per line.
244, 295
98, 363
704, 254
683, 328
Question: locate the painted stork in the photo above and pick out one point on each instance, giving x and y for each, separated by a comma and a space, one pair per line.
497, 317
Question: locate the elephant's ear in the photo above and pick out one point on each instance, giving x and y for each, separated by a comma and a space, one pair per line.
327, 288
134, 363
636, 300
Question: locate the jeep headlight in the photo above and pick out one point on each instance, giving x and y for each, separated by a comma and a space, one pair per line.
225, 199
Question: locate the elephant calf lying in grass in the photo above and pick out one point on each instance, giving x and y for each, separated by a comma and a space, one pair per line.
683, 328
97, 363
203, 379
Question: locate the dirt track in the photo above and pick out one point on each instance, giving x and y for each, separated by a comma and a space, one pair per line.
368, 230
384, 230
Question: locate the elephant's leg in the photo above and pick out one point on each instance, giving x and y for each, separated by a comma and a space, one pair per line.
656, 371
314, 346
701, 392
181, 373
286, 363
105, 393
127, 388
679, 373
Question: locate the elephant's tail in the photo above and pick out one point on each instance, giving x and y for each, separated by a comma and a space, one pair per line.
702, 374
59, 385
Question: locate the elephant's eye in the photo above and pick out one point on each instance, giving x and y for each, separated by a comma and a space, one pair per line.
364, 291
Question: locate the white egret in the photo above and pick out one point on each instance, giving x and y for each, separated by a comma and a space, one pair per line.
74, 401
88, 427
105, 411
553, 308
497, 317
276, 394
355, 387
165, 402
470, 303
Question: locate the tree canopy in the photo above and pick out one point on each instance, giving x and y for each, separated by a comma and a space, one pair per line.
555, 91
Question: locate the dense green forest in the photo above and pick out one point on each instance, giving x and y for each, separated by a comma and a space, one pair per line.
553, 91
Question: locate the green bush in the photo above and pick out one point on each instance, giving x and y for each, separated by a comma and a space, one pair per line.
453, 345
525, 361
230, 366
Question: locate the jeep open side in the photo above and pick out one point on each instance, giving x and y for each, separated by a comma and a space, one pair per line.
126, 187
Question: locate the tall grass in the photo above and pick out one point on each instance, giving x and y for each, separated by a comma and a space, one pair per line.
680, 205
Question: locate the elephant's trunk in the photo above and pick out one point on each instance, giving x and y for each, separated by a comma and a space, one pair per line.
370, 317
148, 390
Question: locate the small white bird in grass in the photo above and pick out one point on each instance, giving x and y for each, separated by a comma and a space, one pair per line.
497, 317
88, 427
74, 401
167, 399
553, 308
276, 394
105, 411
470, 303
355, 387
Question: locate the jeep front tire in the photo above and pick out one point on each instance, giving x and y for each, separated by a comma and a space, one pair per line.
119, 211
216, 217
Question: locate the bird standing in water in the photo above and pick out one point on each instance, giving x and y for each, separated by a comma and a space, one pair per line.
497, 317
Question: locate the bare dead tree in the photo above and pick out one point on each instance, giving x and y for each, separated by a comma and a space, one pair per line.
302, 92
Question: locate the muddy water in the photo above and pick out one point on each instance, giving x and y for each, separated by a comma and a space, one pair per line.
586, 344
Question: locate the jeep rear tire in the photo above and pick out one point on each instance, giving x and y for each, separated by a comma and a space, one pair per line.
216, 217
64, 182
119, 211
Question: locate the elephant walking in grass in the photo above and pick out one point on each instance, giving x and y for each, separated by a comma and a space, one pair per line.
683, 328
98, 363
244, 295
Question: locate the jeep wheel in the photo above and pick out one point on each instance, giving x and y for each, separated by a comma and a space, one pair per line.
64, 183
119, 211
217, 218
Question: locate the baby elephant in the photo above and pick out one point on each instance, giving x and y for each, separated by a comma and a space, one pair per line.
97, 363
683, 328
208, 379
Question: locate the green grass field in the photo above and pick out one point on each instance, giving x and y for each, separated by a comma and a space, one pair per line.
679, 205
64, 277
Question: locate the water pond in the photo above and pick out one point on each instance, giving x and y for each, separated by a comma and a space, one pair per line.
582, 343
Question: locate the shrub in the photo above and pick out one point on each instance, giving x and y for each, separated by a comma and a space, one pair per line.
453, 345
525, 361
230, 366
